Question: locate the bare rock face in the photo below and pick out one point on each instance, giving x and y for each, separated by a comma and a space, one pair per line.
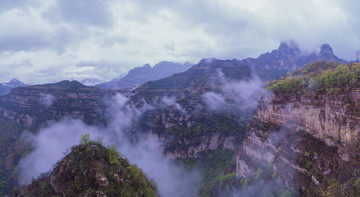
312, 146
333, 121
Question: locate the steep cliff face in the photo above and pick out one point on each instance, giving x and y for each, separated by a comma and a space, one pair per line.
188, 129
333, 121
309, 135
32, 106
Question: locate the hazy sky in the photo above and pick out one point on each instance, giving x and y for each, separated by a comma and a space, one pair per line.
47, 41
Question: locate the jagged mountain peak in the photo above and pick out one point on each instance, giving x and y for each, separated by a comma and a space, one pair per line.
326, 50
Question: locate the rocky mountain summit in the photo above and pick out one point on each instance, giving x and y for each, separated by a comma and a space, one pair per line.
91, 169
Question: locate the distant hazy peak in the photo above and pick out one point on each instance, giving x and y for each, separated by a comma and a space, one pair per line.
140, 75
204, 62
289, 46
146, 66
326, 49
90, 81
13, 83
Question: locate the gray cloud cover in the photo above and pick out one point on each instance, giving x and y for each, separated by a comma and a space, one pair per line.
62, 34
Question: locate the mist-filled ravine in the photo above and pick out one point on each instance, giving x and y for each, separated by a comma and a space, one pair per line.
144, 147
219, 98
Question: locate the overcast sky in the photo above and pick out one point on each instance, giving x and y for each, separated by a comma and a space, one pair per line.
46, 41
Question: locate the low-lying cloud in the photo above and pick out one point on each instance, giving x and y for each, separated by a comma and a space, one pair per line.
51, 143
240, 95
46, 99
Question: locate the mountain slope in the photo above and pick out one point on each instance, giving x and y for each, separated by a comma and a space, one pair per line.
201, 75
90, 169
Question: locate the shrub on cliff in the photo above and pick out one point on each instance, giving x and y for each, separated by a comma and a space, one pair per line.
330, 79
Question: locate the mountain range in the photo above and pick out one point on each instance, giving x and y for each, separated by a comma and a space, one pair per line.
298, 137
140, 75
284, 59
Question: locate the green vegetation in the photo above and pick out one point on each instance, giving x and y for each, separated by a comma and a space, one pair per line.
91, 169
349, 188
224, 124
45, 189
317, 79
214, 169
113, 155
85, 139
11, 150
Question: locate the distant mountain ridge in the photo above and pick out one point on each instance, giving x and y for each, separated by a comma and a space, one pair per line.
140, 75
199, 76
6, 87
267, 66
288, 57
